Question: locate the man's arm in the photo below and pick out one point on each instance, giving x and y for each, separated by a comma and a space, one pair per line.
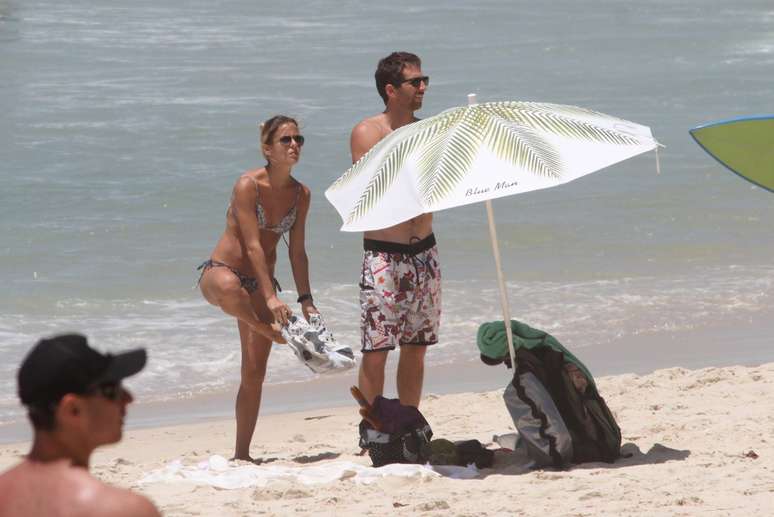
364, 136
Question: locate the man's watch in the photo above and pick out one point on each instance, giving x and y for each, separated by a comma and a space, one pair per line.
305, 297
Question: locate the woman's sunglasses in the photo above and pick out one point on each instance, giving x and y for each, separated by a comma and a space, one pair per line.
416, 81
285, 140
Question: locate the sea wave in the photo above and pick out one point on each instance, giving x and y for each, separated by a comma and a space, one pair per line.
194, 348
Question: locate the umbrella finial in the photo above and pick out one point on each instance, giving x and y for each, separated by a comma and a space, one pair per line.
472, 99
658, 163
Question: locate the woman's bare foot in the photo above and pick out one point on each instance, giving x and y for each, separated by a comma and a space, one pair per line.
254, 461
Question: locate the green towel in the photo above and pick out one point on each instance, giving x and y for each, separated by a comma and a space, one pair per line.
493, 343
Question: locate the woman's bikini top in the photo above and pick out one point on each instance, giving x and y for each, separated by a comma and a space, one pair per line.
286, 223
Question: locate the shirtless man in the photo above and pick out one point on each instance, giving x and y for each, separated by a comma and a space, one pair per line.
400, 285
75, 403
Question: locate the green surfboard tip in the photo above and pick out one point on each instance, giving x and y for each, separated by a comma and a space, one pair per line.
743, 145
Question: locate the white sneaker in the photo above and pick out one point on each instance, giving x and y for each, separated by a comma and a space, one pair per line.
315, 346
325, 337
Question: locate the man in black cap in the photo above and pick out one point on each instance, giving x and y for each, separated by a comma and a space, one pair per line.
76, 403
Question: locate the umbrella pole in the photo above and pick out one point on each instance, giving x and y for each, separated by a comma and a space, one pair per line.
501, 280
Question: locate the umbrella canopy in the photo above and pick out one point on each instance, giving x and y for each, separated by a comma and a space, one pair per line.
478, 152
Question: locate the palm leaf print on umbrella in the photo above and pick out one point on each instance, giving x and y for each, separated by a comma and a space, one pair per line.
440, 153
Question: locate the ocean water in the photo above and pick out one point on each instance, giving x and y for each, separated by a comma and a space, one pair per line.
124, 125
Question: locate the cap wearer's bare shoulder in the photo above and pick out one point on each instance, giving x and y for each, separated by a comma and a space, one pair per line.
21, 487
366, 134
99, 499
7, 489
119, 502
67, 487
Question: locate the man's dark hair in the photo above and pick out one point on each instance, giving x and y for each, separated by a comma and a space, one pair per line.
390, 70
42, 418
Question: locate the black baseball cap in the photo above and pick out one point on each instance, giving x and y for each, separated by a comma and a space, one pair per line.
67, 364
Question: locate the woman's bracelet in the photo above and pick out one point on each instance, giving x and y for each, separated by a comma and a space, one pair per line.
305, 297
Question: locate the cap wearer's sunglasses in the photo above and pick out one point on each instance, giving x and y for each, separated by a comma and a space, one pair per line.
416, 81
112, 391
285, 140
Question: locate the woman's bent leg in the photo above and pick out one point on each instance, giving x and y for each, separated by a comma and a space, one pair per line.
222, 288
255, 355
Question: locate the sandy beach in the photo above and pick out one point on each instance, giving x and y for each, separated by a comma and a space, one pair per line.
700, 442
126, 125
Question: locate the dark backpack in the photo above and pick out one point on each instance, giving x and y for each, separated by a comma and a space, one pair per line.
552, 398
403, 436
559, 423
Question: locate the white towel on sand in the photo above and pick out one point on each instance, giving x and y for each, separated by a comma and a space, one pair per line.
221, 473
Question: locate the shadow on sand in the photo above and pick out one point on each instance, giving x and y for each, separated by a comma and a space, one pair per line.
313, 458
518, 462
303, 459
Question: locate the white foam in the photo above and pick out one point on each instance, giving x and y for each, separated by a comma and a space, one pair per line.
194, 348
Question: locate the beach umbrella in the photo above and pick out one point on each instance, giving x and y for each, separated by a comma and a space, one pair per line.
480, 152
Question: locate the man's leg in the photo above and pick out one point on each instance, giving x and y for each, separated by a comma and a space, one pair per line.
421, 328
371, 375
411, 374
378, 329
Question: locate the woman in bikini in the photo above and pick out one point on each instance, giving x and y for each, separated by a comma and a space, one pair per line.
239, 276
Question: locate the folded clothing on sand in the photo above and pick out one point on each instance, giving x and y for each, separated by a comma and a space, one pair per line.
315, 346
462, 453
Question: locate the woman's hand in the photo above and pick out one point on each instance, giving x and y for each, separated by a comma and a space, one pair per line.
272, 332
308, 308
279, 309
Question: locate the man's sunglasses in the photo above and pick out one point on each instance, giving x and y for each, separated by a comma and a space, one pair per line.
111, 390
416, 81
285, 140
